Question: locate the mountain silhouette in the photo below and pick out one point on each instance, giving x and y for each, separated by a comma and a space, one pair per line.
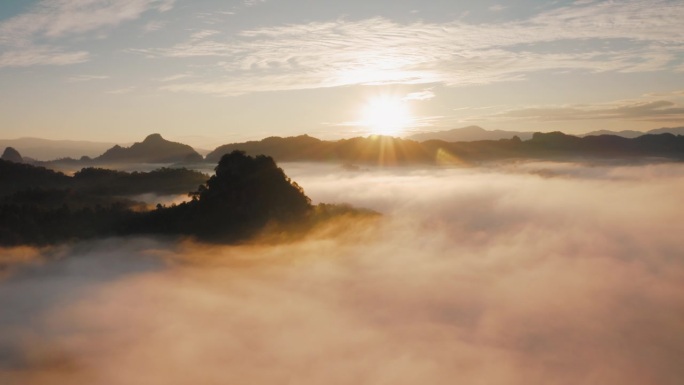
624, 133
469, 134
557, 145
636, 134
12, 155
377, 149
668, 130
303, 147
387, 151
154, 149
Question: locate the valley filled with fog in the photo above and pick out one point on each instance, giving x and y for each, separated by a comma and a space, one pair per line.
524, 273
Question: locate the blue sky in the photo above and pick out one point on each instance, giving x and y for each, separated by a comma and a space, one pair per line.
210, 72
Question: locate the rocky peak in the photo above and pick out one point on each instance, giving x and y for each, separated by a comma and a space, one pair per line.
154, 138
12, 155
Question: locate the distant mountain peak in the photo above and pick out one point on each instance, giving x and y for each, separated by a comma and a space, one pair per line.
153, 149
12, 155
472, 129
153, 138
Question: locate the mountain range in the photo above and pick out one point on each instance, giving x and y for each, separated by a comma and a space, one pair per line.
475, 133
385, 150
469, 134
636, 134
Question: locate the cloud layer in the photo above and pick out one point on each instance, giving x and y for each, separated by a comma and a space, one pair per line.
526, 274
625, 37
31, 38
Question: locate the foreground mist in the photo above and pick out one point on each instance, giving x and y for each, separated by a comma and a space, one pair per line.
536, 273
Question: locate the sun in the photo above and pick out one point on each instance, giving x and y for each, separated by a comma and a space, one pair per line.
386, 115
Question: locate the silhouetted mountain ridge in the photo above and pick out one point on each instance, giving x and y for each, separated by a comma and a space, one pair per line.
477, 133
469, 134
154, 149
386, 150
383, 150
624, 133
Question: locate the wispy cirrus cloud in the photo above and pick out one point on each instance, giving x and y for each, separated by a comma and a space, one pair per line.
121, 91
174, 77
87, 78
626, 37
41, 55
153, 26
252, 3
655, 110
420, 95
32, 38
53, 18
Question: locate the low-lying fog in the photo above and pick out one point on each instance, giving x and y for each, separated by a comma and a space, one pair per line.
535, 273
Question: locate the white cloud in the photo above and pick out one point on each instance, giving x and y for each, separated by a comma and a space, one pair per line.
50, 20
86, 78
421, 95
54, 18
165, 5
41, 55
203, 34
153, 26
252, 3
174, 77
380, 51
121, 91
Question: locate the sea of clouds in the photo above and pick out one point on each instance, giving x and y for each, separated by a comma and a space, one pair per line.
525, 273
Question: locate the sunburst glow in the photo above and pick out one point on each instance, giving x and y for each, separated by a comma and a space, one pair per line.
386, 115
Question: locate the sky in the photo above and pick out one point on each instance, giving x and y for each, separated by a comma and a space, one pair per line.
211, 72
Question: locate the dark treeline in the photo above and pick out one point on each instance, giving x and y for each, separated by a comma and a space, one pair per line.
246, 195
15, 177
161, 181
41, 206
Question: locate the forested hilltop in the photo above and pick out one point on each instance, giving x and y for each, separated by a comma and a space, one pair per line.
39, 206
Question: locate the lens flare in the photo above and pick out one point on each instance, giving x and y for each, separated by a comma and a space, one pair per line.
386, 115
